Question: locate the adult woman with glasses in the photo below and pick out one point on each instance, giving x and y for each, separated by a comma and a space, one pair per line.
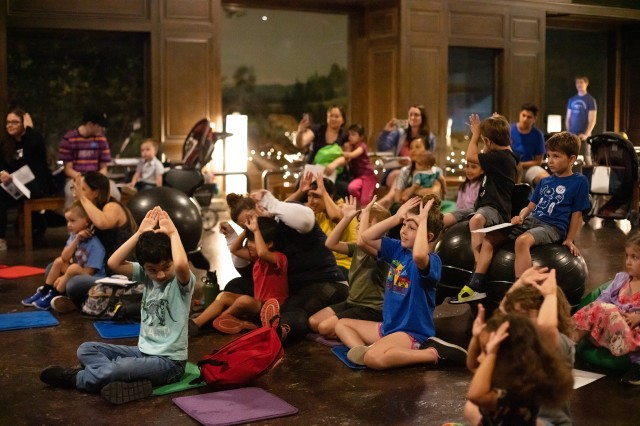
21, 146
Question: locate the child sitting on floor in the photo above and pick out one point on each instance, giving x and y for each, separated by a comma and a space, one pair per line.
516, 373
536, 296
82, 255
126, 373
613, 319
366, 275
232, 312
409, 300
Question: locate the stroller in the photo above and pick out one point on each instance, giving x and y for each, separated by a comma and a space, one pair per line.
620, 201
188, 178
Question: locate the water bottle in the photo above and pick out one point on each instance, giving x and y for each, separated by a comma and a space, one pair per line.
211, 287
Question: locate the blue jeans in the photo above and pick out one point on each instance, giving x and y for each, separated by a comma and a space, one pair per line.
104, 363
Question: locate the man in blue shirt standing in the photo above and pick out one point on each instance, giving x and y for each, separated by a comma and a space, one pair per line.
528, 142
581, 116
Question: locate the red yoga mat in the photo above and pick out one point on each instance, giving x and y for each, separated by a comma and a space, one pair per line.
13, 272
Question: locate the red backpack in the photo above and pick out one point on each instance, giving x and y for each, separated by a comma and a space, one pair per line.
242, 359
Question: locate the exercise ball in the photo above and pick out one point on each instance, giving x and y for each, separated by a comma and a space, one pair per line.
454, 249
181, 209
571, 271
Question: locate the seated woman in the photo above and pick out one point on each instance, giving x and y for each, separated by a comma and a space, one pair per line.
113, 225
398, 134
21, 146
328, 140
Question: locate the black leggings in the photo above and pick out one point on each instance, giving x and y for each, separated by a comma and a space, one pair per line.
307, 301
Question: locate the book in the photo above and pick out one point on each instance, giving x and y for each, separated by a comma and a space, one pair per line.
16, 188
116, 280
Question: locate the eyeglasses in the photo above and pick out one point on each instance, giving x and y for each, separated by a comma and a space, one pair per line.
13, 123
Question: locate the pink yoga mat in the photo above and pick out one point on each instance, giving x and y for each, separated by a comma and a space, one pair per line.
234, 407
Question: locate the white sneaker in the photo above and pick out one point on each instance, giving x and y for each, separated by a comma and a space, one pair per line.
3, 244
356, 354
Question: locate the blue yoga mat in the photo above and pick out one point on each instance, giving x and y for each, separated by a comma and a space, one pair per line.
117, 330
31, 319
341, 353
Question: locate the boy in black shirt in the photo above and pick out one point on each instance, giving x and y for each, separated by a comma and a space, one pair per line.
493, 205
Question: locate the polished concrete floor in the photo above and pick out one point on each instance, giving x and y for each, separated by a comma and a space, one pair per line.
310, 377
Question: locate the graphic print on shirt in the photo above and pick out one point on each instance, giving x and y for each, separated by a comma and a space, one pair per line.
155, 317
80, 256
549, 197
397, 280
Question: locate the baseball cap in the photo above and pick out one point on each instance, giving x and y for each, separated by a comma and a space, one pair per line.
100, 118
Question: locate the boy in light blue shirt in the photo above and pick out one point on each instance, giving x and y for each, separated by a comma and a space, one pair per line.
126, 373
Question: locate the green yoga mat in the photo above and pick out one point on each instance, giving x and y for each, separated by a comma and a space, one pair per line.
191, 372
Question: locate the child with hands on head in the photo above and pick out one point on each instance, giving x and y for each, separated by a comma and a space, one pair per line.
516, 373
366, 275
232, 312
126, 373
82, 255
613, 319
536, 296
409, 300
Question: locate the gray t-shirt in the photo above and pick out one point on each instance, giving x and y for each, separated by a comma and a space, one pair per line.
165, 316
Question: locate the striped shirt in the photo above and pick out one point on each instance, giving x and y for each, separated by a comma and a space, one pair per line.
86, 154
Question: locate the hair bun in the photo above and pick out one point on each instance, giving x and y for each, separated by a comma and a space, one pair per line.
233, 199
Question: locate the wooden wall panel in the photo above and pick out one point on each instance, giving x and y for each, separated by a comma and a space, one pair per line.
106, 9
383, 23
525, 83
477, 29
425, 82
383, 86
187, 89
194, 10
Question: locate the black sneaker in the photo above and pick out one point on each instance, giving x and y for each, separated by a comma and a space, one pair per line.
632, 376
121, 392
60, 377
448, 353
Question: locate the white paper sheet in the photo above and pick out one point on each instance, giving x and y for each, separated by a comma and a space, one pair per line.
316, 168
582, 378
493, 228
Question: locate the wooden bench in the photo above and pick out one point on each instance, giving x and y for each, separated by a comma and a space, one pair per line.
37, 204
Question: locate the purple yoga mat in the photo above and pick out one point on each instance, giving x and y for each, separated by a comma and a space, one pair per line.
315, 337
234, 407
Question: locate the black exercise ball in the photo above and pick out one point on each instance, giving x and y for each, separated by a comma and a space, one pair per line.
454, 249
571, 271
181, 209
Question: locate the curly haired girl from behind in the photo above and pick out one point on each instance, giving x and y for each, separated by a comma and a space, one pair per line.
613, 319
517, 373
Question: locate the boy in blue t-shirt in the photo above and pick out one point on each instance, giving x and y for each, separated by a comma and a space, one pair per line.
409, 299
83, 254
126, 373
554, 213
